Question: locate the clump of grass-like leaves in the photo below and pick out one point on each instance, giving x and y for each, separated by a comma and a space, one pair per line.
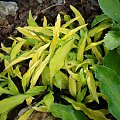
62, 56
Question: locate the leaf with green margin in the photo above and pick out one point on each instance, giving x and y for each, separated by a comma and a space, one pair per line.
110, 86
112, 40
111, 8
67, 112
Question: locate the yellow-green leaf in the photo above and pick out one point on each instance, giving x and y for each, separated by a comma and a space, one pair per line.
43, 30
26, 115
91, 83
3, 116
6, 49
93, 44
72, 86
46, 76
28, 74
78, 14
70, 22
31, 20
38, 53
72, 32
57, 62
40, 109
55, 34
61, 80
2, 90
45, 22
92, 114
28, 33
39, 70
12, 87
81, 48
8, 104
16, 49
98, 29
21, 58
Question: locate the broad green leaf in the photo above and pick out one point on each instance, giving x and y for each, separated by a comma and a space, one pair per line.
57, 62
112, 40
111, 8
12, 87
8, 104
39, 70
98, 19
72, 86
16, 49
56, 30
3, 90
36, 90
31, 20
112, 60
66, 112
110, 86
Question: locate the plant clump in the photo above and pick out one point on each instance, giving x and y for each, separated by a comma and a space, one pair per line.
60, 57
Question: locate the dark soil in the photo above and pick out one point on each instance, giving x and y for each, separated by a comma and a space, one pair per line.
48, 8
